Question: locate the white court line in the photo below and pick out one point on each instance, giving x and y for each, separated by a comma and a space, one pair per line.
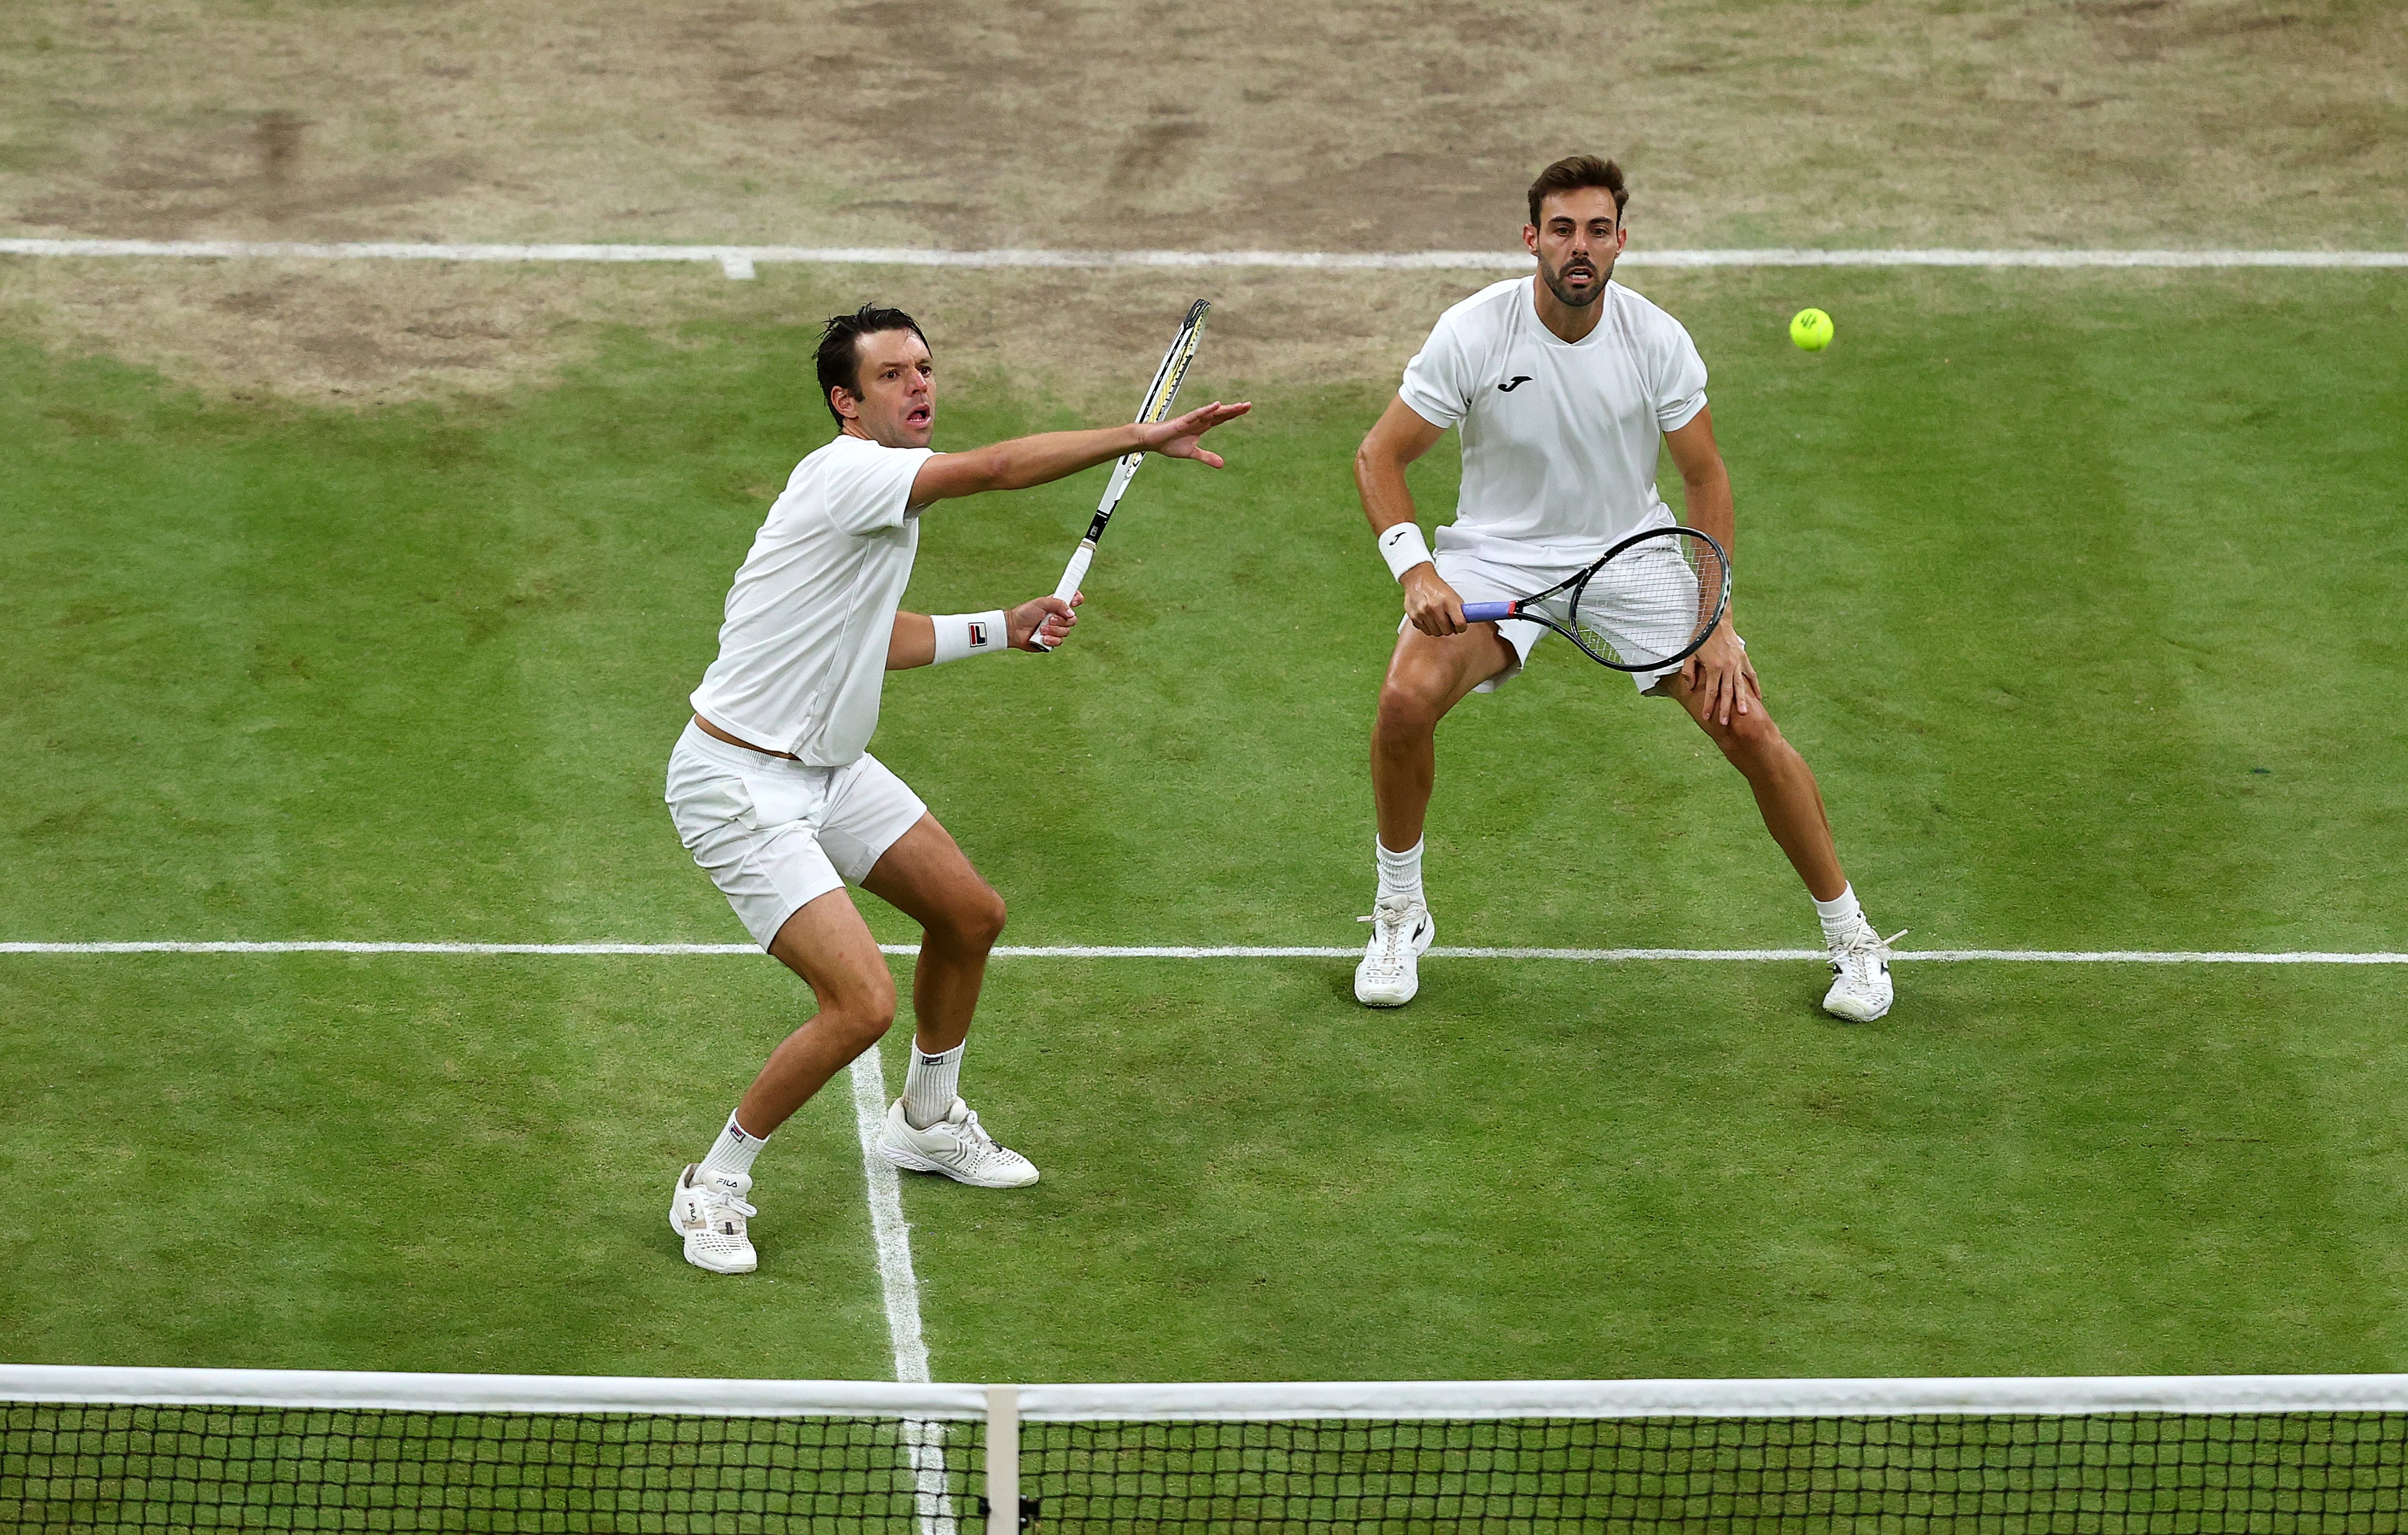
1150, 951
924, 1442
740, 260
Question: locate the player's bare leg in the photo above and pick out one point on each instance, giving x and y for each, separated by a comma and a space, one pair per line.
926, 876
830, 946
1791, 803
1428, 675
1785, 788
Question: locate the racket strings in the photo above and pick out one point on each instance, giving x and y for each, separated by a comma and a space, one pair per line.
1652, 602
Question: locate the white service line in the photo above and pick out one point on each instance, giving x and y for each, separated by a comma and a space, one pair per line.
740, 260
1154, 951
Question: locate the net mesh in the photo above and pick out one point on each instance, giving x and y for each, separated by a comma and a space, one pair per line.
106, 1469
2309, 1473
116, 1468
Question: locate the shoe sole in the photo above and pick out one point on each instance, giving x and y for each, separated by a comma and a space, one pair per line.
912, 1161
1851, 1018
717, 1268
1429, 935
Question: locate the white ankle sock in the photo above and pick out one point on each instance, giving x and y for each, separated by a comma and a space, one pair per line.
734, 1148
1840, 913
930, 1085
1401, 873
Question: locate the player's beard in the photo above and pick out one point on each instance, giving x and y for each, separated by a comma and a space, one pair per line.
1554, 278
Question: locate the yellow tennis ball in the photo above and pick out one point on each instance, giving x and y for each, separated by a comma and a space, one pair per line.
1811, 329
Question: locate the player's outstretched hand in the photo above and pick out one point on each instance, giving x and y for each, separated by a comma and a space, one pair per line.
1179, 436
1048, 619
1431, 604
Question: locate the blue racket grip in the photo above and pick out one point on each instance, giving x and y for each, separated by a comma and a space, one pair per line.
1486, 613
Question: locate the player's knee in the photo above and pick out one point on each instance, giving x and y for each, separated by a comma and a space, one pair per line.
1407, 708
979, 921
867, 1008
1750, 738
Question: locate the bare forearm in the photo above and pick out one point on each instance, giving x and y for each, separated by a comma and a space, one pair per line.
1380, 480
1711, 511
913, 643
1049, 457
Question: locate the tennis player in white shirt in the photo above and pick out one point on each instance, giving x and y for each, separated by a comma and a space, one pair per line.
1563, 385
774, 791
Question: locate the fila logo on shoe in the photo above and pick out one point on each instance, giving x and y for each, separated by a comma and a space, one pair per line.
1515, 382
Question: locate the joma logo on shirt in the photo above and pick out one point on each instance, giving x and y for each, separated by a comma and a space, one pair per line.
1513, 383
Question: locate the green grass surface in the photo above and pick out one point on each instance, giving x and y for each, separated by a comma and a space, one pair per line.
2082, 596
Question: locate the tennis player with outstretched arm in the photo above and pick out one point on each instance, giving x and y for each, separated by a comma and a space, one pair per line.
774, 791
1563, 385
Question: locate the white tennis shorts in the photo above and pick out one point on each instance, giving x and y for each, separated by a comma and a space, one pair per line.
775, 835
1662, 623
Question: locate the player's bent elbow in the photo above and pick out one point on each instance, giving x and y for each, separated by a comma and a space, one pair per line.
1374, 465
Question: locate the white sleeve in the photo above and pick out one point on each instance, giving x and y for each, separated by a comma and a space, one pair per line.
869, 487
1679, 379
1439, 384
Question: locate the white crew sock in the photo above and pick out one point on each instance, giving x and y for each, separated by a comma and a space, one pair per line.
1401, 873
929, 1086
734, 1148
1840, 914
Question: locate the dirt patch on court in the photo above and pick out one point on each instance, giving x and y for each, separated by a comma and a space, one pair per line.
1249, 123
365, 334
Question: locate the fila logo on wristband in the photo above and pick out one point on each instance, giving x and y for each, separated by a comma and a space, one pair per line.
963, 635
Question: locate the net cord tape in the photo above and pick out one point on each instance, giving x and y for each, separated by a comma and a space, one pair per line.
1263, 1401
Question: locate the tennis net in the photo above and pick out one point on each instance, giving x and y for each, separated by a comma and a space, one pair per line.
110, 1450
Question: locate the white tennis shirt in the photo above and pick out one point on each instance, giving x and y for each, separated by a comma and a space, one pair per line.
802, 652
1559, 438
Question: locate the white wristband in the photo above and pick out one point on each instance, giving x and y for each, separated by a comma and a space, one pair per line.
961, 636
1403, 548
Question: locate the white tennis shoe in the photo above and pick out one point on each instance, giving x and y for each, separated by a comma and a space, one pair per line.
1860, 984
709, 1211
1390, 973
958, 1146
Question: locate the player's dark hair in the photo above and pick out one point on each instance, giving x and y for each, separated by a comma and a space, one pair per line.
1576, 171
840, 354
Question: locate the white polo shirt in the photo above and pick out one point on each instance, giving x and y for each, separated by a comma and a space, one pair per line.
1559, 438
802, 654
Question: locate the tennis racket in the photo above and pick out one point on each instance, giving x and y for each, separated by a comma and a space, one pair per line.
1154, 408
1647, 605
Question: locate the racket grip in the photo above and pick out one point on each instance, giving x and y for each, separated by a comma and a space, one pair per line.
1486, 613
1072, 574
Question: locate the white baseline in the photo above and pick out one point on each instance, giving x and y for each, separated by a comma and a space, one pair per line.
1154, 951
742, 261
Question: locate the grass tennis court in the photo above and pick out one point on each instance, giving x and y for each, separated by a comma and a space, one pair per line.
2080, 593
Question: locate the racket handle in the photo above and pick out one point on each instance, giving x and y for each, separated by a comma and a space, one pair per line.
1072, 574
1486, 613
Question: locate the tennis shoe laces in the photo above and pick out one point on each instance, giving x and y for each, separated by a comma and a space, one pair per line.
1860, 984
709, 1211
1390, 972
958, 1146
